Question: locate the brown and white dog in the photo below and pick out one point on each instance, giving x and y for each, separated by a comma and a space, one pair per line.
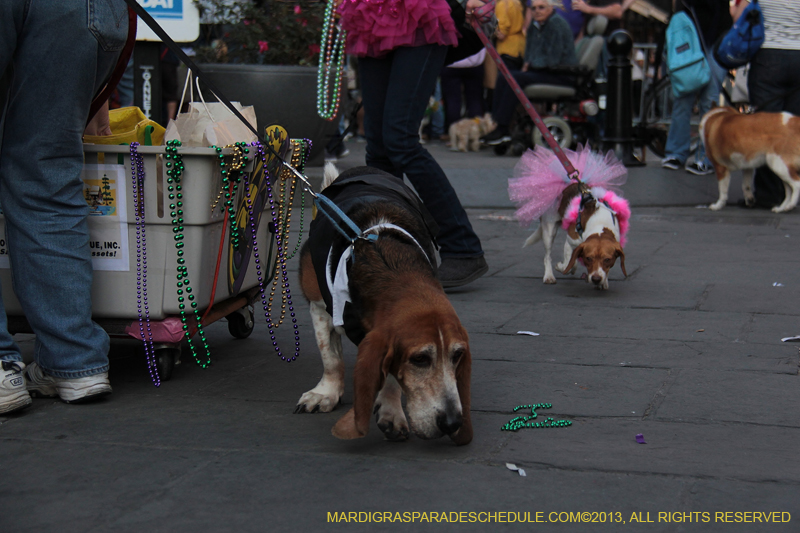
603, 225
465, 135
734, 141
410, 340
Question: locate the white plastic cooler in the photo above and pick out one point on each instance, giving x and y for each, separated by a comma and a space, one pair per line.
113, 229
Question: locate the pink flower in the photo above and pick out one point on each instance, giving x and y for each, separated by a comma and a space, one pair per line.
246, 22
263, 46
313, 48
297, 10
304, 22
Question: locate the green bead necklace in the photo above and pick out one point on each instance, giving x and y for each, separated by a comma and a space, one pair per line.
175, 168
515, 424
236, 164
232, 176
302, 147
331, 64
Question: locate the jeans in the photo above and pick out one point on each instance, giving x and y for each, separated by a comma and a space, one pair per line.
395, 90
471, 80
60, 61
437, 117
504, 101
773, 74
680, 130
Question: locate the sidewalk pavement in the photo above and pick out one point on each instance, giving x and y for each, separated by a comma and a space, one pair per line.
686, 351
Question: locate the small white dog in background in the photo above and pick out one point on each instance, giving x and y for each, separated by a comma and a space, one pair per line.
465, 135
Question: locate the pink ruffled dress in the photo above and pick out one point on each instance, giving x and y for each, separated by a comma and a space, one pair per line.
376, 27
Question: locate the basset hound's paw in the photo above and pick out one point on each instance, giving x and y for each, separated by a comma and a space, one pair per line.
321, 398
549, 280
391, 421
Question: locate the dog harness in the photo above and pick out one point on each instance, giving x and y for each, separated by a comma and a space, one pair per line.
339, 286
332, 253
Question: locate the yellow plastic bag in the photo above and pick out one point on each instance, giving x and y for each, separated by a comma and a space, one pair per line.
129, 124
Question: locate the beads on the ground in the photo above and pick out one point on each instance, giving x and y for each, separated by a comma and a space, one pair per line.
519, 422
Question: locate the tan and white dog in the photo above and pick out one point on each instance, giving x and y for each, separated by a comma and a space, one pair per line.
465, 135
735, 141
599, 242
384, 295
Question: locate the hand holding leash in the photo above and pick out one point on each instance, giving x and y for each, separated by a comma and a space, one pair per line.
477, 9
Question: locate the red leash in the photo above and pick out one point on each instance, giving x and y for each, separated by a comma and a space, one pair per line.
482, 12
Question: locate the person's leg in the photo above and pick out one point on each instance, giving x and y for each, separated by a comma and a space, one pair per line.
679, 136
451, 94
767, 88
473, 91
437, 117
506, 100
374, 75
40, 175
708, 97
413, 76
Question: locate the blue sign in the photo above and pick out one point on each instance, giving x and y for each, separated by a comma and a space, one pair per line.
164, 9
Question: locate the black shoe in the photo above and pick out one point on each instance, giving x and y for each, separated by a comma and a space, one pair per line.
671, 163
759, 203
458, 271
497, 136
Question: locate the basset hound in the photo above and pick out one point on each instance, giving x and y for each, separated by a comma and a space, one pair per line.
596, 221
384, 295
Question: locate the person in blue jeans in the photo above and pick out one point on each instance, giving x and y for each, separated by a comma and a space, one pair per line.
714, 19
401, 52
61, 54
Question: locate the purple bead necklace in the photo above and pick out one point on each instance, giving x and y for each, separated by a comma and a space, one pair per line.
281, 261
137, 179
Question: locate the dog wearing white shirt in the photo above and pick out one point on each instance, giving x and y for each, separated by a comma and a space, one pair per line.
381, 290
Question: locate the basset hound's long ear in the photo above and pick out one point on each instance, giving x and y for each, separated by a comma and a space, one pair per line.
576, 253
463, 376
621, 256
372, 364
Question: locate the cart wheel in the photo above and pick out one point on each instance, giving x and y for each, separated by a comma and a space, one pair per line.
517, 149
165, 361
240, 322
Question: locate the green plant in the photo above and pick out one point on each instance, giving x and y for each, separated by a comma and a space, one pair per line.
275, 32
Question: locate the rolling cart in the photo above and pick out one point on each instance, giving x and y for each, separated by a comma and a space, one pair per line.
224, 274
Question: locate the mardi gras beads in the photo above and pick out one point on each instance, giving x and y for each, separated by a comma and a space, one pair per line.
517, 423
175, 168
331, 64
137, 179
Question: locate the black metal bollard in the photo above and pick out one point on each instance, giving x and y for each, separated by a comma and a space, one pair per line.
619, 122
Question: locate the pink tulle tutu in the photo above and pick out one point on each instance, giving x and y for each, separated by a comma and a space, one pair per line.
540, 178
376, 27
616, 203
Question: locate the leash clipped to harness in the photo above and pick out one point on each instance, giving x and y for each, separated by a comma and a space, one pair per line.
349, 231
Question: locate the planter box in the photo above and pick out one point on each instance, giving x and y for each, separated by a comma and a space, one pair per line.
286, 95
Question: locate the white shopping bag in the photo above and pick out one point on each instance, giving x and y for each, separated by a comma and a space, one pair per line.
206, 124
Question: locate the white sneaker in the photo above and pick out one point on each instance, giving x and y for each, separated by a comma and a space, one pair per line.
13, 394
69, 390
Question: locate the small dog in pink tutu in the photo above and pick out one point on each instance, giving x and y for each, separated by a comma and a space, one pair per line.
596, 219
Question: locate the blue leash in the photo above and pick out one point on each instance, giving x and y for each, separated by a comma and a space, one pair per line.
324, 204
